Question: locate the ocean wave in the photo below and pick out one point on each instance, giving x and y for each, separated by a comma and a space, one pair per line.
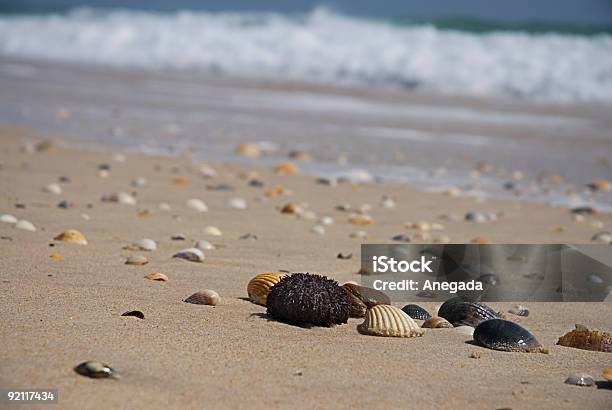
323, 46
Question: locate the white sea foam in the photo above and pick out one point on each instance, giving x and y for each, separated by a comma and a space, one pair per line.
323, 46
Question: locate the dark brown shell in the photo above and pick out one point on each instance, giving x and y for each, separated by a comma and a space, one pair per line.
583, 338
358, 308
500, 334
464, 313
370, 297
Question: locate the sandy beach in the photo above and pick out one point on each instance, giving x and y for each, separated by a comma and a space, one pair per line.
58, 313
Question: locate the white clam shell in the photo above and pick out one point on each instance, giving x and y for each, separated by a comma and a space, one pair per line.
236, 203
139, 182
326, 220
204, 245
163, 206
145, 245
136, 260
25, 225
465, 330
53, 189
190, 254
207, 171
212, 230
318, 229
197, 205
387, 320
8, 219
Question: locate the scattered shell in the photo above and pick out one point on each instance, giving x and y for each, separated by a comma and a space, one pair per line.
96, 370
190, 254
307, 299
519, 310
460, 312
387, 320
120, 197
465, 330
52, 188
500, 334
204, 245
286, 168
142, 245
103, 173
300, 155
65, 204
291, 208
602, 237
358, 235
437, 322
361, 219
136, 260
327, 181
207, 171
478, 217
583, 338
387, 202
480, 241
607, 373
370, 297
259, 287
236, 203
163, 206
221, 187
160, 277
205, 297
197, 205
326, 220
416, 312
318, 229
307, 215
139, 182
402, 238
601, 185
212, 230
580, 379
72, 236
8, 219
56, 256
275, 191
25, 225
475, 355
344, 256
180, 181
248, 149
134, 313
178, 237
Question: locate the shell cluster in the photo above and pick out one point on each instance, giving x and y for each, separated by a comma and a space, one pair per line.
583, 338
388, 320
500, 334
259, 287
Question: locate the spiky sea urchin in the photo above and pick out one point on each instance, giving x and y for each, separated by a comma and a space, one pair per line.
305, 298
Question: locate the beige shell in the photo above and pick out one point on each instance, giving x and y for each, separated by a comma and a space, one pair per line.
286, 168
160, 277
361, 219
72, 236
259, 287
138, 260
205, 297
387, 320
436, 322
607, 373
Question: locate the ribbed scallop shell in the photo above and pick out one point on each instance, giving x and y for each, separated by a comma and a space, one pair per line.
259, 287
387, 320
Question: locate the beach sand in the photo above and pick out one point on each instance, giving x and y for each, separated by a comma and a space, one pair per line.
58, 313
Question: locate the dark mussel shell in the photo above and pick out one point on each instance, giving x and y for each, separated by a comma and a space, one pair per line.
500, 334
416, 312
370, 297
465, 313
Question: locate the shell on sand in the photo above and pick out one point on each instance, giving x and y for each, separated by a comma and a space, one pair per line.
370, 297
248, 149
8, 218
25, 225
197, 205
360, 219
275, 191
465, 330
259, 287
607, 373
580, 379
212, 230
436, 322
387, 320
142, 245
190, 254
205, 297
204, 245
56, 256
236, 203
96, 370
160, 277
72, 236
52, 188
291, 208
120, 197
138, 260
583, 338
286, 168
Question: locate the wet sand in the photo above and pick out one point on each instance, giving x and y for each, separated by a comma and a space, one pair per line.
57, 313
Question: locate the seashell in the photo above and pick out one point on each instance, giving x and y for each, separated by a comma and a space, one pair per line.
489, 279
308, 299
8, 219
197, 205
25, 225
248, 149
134, 313
602, 237
416, 312
607, 373
460, 312
160, 277
437, 322
120, 197
370, 297
465, 330
65, 204
52, 188
103, 173
300, 155
180, 181
327, 181
207, 171
600, 185
291, 208
475, 355
500, 334
480, 241
580, 379
519, 310
286, 168
139, 182
326, 220
205, 297
358, 308
421, 226
236, 203
213, 230
56, 256
204, 245
583, 338
275, 191
259, 287
387, 320
402, 238
358, 235
72, 236
96, 370
360, 219
318, 229
190, 254
138, 260
307, 215
477, 217
344, 256
178, 237
387, 202
142, 245
163, 206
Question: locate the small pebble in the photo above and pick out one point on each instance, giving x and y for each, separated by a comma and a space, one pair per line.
236, 203
475, 355
212, 230
248, 149
163, 206
326, 220
402, 238
53, 188
197, 205
139, 182
318, 229
344, 256
476, 217
358, 235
